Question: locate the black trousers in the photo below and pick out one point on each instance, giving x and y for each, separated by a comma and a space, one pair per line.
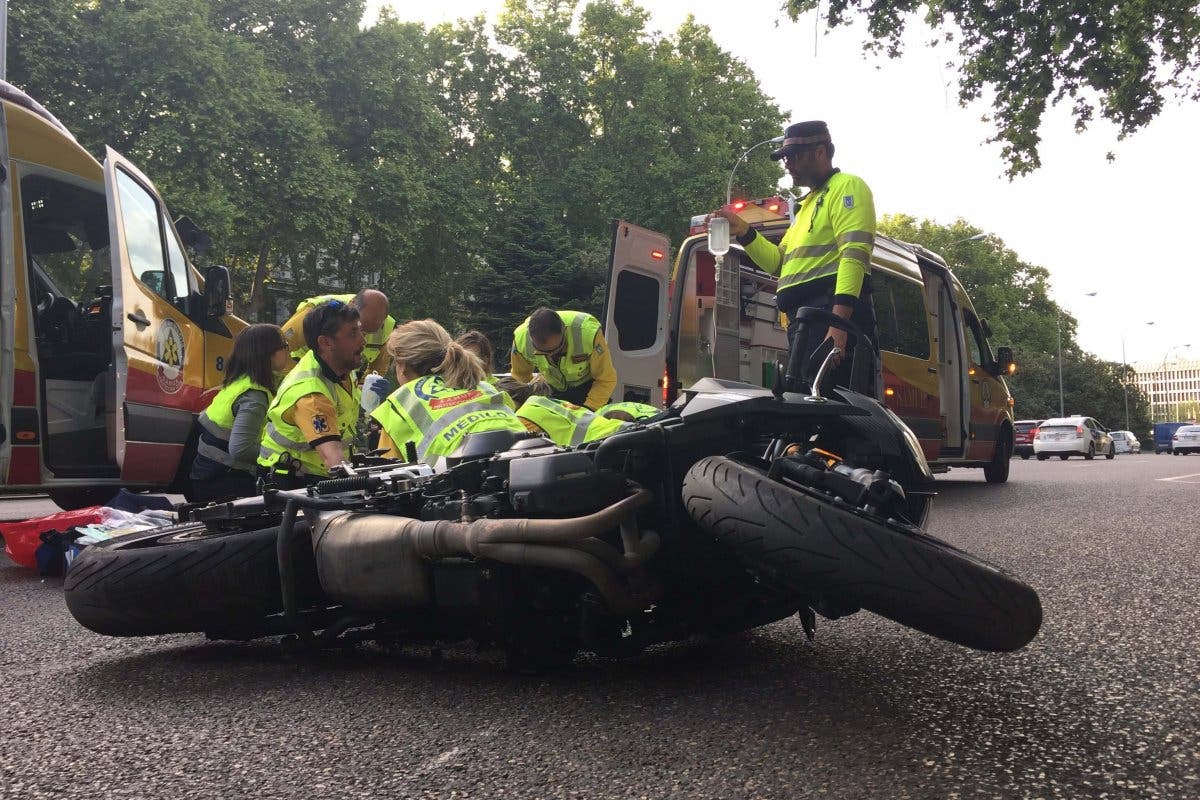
863, 315
229, 485
576, 394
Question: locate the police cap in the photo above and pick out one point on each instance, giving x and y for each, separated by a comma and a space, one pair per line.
802, 136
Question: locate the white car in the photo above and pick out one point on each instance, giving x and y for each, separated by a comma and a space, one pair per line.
1126, 442
1186, 440
1072, 436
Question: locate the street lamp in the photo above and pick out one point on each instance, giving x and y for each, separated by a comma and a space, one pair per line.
1058, 331
974, 238
729, 185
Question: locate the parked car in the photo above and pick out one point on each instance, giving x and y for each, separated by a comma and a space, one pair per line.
1072, 436
1163, 435
1023, 430
1186, 440
1126, 442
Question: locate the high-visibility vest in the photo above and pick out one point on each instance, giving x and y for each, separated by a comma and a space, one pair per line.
638, 411
282, 439
216, 422
443, 415
574, 368
567, 424
374, 341
834, 225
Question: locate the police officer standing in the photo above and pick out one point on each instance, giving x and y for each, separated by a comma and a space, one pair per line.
824, 259
313, 419
569, 352
377, 324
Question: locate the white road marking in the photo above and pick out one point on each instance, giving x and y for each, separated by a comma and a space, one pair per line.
1182, 478
440, 760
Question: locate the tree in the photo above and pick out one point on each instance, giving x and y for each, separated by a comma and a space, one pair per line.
1125, 60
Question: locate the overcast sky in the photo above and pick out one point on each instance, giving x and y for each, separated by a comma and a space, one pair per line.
1111, 228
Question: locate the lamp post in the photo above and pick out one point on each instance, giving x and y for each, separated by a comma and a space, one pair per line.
1060, 379
729, 185
974, 238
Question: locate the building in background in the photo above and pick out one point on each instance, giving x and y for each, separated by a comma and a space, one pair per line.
1172, 387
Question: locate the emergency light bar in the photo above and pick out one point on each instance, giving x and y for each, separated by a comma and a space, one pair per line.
760, 212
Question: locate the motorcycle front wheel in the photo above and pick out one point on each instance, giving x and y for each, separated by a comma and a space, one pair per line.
803, 541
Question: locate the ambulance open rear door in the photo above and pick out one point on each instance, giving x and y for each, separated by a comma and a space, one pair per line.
635, 311
8, 299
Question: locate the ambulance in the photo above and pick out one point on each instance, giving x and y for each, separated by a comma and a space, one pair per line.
111, 339
670, 323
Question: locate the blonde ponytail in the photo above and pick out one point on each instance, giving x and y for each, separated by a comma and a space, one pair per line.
425, 348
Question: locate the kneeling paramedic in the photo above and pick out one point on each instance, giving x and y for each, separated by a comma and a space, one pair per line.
312, 421
376, 323
443, 396
569, 352
824, 259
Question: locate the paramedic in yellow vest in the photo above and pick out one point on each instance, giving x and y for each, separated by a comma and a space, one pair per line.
824, 259
314, 416
373, 317
443, 396
231, 427
563, 423
568, 350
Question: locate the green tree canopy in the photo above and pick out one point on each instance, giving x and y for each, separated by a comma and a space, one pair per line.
1125, 60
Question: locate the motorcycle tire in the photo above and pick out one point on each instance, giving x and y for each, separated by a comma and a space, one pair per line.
183, 579
802, 541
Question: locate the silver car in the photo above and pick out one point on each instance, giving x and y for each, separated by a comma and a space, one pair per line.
1072, 436
1126, 442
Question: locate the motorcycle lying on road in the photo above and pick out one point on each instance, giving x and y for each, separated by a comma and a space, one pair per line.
739, 506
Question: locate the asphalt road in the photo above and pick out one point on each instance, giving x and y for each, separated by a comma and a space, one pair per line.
1104, 703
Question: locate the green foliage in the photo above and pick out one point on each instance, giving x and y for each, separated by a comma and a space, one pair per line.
1125, 60
1012, 295
471, 172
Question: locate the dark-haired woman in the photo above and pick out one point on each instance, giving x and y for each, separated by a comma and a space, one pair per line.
231, 428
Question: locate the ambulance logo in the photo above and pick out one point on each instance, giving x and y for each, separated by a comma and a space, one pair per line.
169, 348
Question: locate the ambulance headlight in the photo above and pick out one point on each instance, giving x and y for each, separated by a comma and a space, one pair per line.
910, 440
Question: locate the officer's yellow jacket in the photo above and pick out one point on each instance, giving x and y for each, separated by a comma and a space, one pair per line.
436, 417
832, 237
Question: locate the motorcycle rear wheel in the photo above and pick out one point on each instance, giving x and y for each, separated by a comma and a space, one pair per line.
183, 579
802, 541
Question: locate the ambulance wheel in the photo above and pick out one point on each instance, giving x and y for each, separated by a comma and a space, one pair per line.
184, 579
997, 470
75, 497
798, 541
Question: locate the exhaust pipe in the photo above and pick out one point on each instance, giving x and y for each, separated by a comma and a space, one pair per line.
378, 561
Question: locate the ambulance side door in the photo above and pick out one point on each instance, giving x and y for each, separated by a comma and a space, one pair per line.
8, 299
157, 350
635, 311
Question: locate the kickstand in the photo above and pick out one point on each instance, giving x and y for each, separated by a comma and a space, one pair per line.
808, 619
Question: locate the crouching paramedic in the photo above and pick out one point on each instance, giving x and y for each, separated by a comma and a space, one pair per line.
568, 351
824, 259
373, 317
313, 418
443, 395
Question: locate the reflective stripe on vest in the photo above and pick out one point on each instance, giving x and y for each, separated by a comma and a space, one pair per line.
811, 251
579, 330
442, 429
635, 410
567, 425
217, 421
282, 438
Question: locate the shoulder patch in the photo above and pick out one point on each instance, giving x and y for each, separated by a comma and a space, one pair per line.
320, 424
599, 348
848, 201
